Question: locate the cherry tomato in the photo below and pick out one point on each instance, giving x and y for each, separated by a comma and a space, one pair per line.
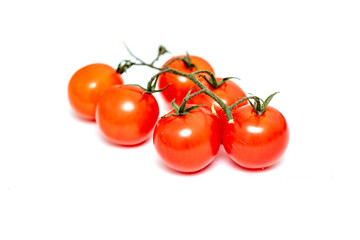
179, 85
188, 143
87, 85
254, 141
126, 115
229, 92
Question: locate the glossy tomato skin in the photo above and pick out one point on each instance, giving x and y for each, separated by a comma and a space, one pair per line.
126, 115
179, 85
188, 143
87, 85
253, 141
229, 92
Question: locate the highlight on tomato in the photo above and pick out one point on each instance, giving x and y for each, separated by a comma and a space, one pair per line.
127, 114
179, 86
187, 142
87, 85
258, 137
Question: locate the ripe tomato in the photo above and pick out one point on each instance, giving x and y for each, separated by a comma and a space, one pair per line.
255, 141
87, 85
188, 143
126, 115
179, 85
229, 92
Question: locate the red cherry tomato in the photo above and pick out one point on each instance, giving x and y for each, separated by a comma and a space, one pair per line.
87, 85
126, 115
179, 85
229, 92
188, 143
255, 141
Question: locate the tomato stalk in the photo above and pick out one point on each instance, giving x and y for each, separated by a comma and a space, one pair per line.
187, 98
126, 64
189, 65
151, 87
212, 80
259, 105
182, 110
204, 89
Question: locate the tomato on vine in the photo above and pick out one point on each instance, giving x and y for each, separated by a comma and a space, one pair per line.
179, 86
127, 114
187, 139
258, 137
87, 85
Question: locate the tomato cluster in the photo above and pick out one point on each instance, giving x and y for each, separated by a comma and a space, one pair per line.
207, 111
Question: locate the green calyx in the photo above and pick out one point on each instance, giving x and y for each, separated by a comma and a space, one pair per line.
161, 51
185, 111
147, 90
182, 110
124, 65
260, 105
212, 80
188, 63
151, 87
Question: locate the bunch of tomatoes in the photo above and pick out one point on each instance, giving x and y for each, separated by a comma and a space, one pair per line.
207, 111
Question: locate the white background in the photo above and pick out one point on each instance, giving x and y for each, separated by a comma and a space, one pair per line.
59, 179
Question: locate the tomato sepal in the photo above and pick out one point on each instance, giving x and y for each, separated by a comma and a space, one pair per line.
260, 105
212, 81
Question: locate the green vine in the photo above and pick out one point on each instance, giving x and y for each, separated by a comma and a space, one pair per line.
258, 104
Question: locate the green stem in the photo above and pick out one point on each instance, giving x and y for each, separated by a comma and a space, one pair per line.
192, 77
161, 51
187, 98
240, 101
212, 80
259, 105
172, 60
126, 64
149, 65
186, 60
133, 55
